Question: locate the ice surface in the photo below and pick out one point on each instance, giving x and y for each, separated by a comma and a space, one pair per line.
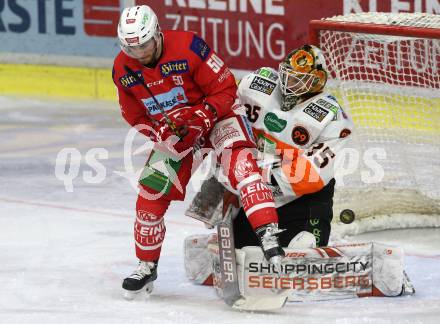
64, 254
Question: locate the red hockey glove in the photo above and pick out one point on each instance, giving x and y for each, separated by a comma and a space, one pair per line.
192, 124
165, 135
199, 121
201, 116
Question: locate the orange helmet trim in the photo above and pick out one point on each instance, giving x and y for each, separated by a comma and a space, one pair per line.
302, 61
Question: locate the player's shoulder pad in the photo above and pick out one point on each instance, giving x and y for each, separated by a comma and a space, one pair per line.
263, 80
119, 60
178, 36
122, 78
267, 73
113, 74
179, 40
199, 47
327, 101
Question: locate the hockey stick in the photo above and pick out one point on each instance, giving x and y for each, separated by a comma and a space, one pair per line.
229, 276
168, 120
228, 263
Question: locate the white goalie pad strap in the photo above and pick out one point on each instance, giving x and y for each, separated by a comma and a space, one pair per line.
344, 271
197, 259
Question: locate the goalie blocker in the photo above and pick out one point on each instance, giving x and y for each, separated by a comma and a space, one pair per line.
342, 271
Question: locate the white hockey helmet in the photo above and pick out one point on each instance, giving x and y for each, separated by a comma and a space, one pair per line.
303, 72
139, 32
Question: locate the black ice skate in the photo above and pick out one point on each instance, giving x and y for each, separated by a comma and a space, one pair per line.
273, 252
141, 278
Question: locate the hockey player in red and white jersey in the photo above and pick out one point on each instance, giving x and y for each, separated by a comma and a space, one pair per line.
178, 92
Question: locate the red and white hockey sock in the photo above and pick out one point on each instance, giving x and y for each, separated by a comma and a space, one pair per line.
258, 204
149, 228
256, 197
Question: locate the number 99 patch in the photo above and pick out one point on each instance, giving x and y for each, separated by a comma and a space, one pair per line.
300, 135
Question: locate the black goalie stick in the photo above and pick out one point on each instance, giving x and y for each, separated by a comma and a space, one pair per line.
229, 274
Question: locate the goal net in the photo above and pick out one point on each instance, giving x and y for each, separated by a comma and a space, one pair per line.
385, 71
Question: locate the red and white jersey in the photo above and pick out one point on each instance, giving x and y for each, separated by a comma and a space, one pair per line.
187, 73
301, 145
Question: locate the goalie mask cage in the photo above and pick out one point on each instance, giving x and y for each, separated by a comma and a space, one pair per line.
384, 69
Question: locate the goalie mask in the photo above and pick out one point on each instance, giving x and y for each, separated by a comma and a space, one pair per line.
302, 73
139, 34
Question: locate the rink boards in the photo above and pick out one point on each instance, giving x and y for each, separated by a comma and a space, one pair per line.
57, 81
369, 108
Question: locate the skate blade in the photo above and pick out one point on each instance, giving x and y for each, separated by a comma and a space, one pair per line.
149, 288
133, 294
130, 295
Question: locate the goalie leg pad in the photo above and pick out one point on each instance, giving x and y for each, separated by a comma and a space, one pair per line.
348, 271
388, 270
197, 258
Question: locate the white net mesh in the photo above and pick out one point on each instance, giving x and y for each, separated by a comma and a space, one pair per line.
390, 85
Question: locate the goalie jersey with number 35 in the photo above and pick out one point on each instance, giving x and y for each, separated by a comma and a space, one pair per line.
299, 146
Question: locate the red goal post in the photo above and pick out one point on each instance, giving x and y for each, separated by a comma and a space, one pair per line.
315, 26
384, 68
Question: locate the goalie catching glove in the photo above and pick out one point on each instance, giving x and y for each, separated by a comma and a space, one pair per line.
192, 124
